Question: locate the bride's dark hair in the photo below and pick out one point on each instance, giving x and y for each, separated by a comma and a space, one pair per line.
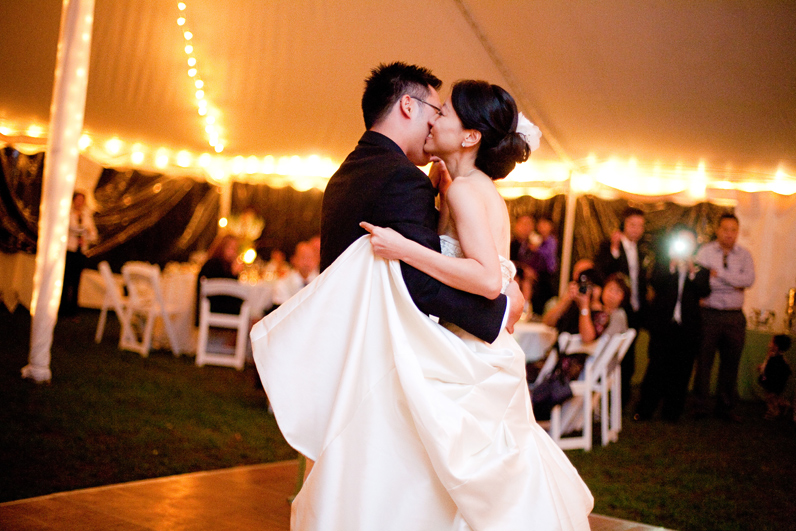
492, 111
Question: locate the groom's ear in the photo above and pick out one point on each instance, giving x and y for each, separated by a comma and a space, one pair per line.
405, 105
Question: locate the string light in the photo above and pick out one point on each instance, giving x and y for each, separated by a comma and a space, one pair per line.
213, 133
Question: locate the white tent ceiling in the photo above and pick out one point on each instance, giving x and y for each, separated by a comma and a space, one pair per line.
664, 82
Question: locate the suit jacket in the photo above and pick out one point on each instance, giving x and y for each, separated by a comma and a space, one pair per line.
606, 264
665, 284
378, 184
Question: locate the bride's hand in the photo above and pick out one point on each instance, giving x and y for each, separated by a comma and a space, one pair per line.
385, 241
439, 175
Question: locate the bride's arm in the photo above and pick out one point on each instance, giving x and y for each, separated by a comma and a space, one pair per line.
478, 273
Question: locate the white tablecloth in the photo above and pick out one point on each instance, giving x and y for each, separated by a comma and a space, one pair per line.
534, 339
178, 282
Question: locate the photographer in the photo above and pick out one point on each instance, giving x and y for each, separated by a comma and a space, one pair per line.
589, 309
675, 325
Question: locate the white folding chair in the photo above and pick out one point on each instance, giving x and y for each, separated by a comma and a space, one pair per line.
222, 355
145, 305
610, 389
577, 412
114, 300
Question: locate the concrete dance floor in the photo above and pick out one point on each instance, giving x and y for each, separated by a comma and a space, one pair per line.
242, 498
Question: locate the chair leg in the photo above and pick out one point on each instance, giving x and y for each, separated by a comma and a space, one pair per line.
170, 333
149, 328
101, 324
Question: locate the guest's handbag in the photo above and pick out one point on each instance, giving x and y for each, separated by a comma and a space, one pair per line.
554, 388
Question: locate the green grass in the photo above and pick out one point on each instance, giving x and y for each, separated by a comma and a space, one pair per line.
111, 416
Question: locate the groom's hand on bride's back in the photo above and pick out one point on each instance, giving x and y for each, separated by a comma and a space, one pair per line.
517, 302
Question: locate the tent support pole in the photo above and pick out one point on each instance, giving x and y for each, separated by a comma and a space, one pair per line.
569, 236
60, 170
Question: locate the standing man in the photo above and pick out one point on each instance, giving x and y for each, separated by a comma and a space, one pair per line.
674, 326
732, 271
621, 254
380, 182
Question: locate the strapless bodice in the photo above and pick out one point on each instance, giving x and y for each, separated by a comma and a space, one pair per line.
451, 247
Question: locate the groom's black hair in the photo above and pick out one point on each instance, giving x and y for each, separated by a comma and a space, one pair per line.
388, 82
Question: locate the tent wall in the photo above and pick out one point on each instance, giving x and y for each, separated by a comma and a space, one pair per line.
156, 218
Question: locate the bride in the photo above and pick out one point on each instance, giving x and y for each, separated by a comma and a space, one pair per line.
413, 425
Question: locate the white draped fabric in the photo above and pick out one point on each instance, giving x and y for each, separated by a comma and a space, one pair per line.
60, 168
410, 425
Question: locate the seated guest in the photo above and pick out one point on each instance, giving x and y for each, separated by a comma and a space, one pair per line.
222, 262
277, 266
589, 309
305, 262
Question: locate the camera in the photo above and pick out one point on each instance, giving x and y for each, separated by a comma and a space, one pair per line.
584, 283
680, 247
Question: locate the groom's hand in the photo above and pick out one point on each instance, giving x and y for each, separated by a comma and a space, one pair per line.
386, 242
517, 301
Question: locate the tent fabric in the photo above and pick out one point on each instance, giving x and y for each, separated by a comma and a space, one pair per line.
664, 82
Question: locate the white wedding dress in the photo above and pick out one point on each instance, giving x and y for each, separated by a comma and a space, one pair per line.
412, 426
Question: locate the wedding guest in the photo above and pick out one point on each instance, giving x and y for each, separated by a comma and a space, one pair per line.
675, 326
521, 252
305, 262
545, 263
277, 265
223, 262
591, 309
732, 271
774, 374
623, 253
82, 233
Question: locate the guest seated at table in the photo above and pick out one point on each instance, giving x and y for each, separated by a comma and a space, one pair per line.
277, 265
305, 262
589, 309
222, 262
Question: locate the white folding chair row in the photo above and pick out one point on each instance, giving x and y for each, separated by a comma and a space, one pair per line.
577, 412
610, 389
145, 303
208, 354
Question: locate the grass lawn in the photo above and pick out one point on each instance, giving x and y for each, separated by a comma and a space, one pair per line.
111, 416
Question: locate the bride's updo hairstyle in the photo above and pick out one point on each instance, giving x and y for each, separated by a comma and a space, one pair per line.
492, 111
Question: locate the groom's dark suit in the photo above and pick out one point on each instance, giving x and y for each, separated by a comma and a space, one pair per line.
377, 183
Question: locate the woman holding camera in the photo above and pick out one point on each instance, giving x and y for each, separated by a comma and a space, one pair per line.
589, 309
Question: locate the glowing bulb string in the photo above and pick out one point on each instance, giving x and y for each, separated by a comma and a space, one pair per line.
210, 119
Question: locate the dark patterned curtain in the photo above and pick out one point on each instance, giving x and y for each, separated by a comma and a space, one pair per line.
155, 218
20, 197
290, 216
140, 216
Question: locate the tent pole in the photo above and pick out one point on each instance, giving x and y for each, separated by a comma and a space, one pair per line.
569, 237
60, 169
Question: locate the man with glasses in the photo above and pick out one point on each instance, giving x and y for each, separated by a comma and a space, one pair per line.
723, 322
380, 182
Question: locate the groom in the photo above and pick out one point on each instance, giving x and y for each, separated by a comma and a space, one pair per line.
380, 183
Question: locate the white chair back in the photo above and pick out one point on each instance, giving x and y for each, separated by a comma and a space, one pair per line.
146, 302
114, 300
576, 413
610, 389
222, 355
